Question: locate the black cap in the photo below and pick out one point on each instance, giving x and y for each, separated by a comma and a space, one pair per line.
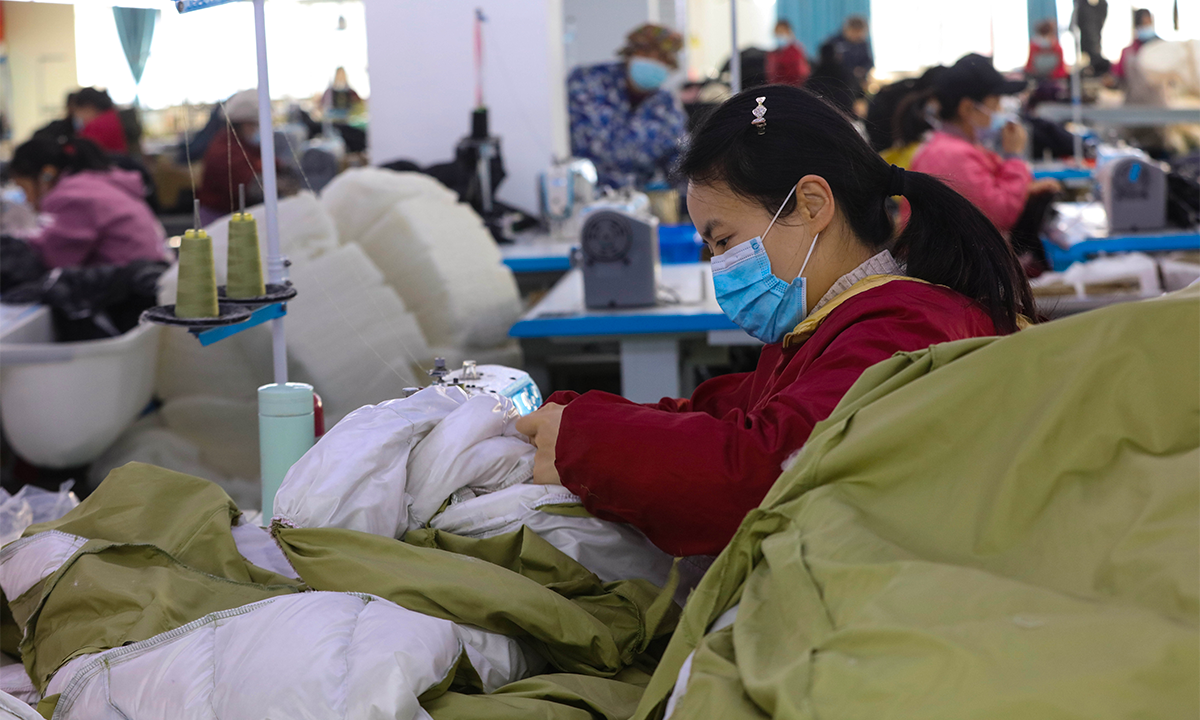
972, 77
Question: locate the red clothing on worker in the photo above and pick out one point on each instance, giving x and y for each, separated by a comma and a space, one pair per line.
1121, 68
996, 186
787, 65
215, 192
107, 131
1046, 62
686, 472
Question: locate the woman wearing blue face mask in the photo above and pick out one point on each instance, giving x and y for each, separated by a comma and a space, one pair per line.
962, 151
622, 118
806, 259
1143, 33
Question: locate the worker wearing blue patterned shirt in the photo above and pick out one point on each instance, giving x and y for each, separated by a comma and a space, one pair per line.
621, 118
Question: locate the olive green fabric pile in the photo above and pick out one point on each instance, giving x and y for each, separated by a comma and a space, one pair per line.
986, 529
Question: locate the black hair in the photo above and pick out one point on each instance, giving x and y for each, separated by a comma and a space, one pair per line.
1140, 16
1046, 27
910, 123
947, 240
949, 98
65, 154
856, 22
93, 98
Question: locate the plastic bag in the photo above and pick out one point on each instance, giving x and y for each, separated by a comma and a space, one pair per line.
32, 505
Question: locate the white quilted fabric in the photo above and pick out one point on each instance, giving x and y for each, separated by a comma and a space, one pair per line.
311, 655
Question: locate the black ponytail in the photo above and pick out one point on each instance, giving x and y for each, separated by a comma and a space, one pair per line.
947, 241
65, 154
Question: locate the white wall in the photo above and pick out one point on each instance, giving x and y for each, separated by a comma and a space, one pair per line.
420, 59
40, 43
709, 36
593, 31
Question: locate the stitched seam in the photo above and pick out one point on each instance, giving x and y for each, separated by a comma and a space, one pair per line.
346, 676
212, 695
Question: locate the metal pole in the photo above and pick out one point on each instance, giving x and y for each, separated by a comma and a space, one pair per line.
1077, 92
681, 27
276, 271
735, 59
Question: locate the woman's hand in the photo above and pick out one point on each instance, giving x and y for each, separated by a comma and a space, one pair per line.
541, 427
1013, 138
1045, 185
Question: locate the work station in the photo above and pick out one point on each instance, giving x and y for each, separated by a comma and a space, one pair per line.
580, 360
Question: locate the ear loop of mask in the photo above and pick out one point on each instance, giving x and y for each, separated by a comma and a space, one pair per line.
812, 247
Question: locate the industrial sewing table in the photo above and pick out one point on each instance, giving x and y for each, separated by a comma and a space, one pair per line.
649, 338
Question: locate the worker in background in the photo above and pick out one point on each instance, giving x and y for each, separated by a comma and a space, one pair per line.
833, 81
95, 118
233, 158
1090, 15
852, 48
1139, 90
786, 64
962, 151
93, 213
621, 116
340, 100
1126, 70
806, 259
1045, 54
911, 119
62, 127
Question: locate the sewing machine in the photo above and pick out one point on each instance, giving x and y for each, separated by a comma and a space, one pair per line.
619, 258
511, 383
1134, 191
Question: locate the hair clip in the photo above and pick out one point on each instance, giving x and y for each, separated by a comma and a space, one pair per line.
759, 121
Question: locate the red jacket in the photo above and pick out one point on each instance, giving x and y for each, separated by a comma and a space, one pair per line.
107, 131
787, 66
1046, 62
219, 185
686, 472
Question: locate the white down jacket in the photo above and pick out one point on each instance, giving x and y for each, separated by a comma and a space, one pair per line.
320, 655
384, 469
387, 469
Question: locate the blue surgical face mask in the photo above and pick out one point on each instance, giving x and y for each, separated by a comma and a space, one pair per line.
648, 75
254, 138
1146, 32
782, 41
752, 296
991, 134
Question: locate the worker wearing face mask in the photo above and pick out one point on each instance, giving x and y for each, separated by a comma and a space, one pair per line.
786, 64
233, 158
1143, 34
977, 149
622, 118
791, 200
1046, 54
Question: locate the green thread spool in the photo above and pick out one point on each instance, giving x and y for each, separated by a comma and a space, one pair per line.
197, 293
245, 264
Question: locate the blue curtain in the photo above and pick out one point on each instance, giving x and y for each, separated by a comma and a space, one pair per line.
1039, 10
135, 26
816, 20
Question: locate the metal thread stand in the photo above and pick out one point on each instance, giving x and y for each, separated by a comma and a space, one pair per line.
276, 266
